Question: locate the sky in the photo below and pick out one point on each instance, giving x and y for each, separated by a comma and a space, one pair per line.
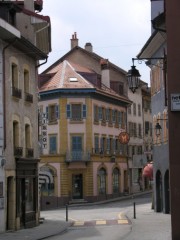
117, 29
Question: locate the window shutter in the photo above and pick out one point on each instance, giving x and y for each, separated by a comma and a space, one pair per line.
57, 112
84, 111
68, 111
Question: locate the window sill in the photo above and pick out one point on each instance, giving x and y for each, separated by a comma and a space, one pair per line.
76, 121
53, 122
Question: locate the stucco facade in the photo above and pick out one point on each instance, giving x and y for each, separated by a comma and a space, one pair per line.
19, 116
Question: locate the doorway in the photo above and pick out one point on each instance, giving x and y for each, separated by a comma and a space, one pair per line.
77, 186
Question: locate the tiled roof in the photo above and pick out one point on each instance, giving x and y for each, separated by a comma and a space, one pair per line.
67, 75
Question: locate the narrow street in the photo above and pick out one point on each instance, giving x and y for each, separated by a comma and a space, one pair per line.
105, 221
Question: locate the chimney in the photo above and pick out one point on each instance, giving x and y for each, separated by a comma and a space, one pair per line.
105, 73
29, 5
74, 41
88, 47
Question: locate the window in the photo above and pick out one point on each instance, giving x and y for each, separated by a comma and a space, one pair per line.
100, 113
96, 144
27, 136
116, 180
16, 92
140, 130
29, 150
107, 114
52, 144
76, 112
103, 144
102, 181
139, 110
135, 129
129, 110
103, 115
76, 148
134, 109
146, 127
96, 114
28, 96
117, 87
52, 112
18, 151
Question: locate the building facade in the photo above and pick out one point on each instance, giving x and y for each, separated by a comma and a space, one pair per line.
81, 119
155, 49
21, 53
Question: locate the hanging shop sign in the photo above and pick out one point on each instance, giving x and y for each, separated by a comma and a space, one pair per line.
124, 137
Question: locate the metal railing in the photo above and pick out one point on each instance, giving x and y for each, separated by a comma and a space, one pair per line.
18, 151
16, 92
29, 152
28, 97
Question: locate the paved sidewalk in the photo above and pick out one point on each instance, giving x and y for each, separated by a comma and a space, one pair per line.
44, 230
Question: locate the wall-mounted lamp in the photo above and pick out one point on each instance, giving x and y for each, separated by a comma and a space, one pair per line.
133, 75
158, 127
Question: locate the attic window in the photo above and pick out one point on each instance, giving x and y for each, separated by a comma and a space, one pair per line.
73, 79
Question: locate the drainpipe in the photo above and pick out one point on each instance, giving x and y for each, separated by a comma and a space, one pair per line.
4, 91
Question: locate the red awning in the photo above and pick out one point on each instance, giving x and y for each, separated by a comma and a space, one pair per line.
148, 171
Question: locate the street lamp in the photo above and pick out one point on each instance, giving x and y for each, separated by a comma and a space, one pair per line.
158, 129
133, 77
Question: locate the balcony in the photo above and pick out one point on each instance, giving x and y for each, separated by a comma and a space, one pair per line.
29, 152
18, 151
110, 152
16, 92
78, 156
28, 97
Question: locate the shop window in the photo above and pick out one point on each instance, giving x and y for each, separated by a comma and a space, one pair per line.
46, 181
29, 194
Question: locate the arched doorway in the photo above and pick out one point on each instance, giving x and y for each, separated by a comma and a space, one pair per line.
159, 195
166, 192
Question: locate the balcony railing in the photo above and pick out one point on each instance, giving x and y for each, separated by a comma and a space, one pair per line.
102, 152
16, 92
29, 152
78, 156
28, 97
18, 151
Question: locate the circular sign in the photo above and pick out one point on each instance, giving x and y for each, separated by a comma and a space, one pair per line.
124, 137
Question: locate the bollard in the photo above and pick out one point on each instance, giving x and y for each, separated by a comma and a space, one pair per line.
66, 212
134, 204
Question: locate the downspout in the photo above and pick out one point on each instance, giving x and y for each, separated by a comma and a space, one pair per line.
4, 91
